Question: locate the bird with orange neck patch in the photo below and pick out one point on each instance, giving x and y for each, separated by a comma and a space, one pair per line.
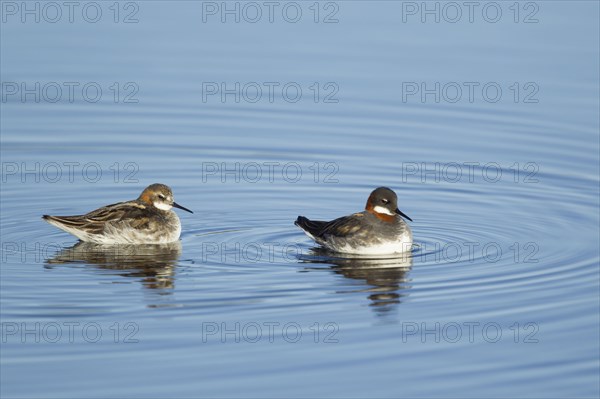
145, 220
379, 230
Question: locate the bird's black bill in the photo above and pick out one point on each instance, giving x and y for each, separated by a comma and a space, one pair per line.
399, 212
176, 205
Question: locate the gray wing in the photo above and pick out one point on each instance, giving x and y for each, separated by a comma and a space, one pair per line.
94, 221
341, 227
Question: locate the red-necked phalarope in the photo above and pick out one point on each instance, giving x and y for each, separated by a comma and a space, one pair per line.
379, 230
146, 220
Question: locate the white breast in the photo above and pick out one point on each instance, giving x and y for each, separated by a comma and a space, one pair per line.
402, 244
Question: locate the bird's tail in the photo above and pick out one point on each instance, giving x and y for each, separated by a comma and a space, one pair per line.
312, 227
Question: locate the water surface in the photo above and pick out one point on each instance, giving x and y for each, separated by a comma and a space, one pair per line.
498, 298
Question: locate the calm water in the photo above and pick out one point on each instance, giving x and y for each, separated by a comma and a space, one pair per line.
487, 130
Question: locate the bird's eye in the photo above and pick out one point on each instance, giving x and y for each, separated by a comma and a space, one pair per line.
385, 201
161, 196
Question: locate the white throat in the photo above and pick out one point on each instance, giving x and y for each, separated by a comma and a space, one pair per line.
380, 209
162, 206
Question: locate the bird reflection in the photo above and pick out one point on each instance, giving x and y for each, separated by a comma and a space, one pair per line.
153, 264
387, 277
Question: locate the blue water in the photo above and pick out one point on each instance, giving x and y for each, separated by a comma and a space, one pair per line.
488, 130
